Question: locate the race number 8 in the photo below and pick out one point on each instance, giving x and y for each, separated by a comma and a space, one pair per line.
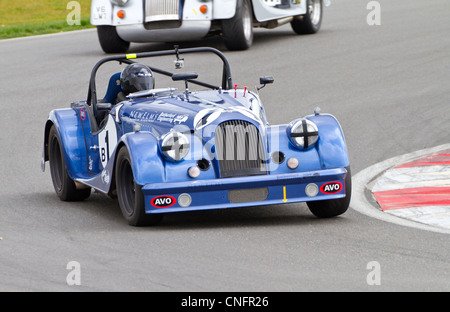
107, 141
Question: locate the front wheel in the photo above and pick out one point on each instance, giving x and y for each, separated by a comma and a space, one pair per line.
310, 22
334, 207
238, 31
129, 194
110, 40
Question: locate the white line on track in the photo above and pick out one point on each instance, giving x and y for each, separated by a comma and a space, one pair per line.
57, 34
362, 199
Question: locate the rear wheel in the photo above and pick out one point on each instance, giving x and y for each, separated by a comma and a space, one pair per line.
334, 207
310, 22
110, 40
64, 186
130, 196
238, 31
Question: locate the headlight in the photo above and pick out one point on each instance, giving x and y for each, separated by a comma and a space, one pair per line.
303, 133
175, 146
119, 2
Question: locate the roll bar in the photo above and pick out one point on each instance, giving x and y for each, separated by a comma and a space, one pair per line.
227, 82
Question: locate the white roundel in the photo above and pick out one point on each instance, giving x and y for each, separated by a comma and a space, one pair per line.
107, 141
175, 145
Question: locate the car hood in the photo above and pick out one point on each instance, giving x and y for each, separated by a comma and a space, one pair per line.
191, 112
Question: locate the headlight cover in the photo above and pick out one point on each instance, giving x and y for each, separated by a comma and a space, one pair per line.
119, 2
175, 146
303, 133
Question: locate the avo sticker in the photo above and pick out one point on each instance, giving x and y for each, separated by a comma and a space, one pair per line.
164, 201
331, 188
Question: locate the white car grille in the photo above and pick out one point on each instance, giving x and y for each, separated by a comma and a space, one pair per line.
162, 10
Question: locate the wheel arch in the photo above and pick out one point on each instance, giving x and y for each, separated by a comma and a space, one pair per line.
48, 125
224, 9
146, 161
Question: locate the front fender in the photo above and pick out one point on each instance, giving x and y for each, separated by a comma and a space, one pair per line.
264, 12
146, 162
331, 145
330, 151
149, 166
224, 9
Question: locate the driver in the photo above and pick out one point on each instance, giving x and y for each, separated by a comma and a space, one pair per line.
135, 77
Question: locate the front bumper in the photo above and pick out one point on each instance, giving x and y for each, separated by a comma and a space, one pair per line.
189, 30
243, 191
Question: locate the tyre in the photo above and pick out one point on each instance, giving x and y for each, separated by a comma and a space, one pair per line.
334, 207
238, 31
129, 194
64, 186
310, 22
110, 40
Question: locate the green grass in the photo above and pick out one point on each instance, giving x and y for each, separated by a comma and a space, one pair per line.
19, 18
24, 30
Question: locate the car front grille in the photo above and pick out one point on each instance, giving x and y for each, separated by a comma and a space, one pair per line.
239, 149
162, 10
272, 2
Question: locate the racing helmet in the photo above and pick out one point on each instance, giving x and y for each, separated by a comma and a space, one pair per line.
137, 77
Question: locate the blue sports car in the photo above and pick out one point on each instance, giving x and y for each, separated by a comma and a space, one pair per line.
160, 150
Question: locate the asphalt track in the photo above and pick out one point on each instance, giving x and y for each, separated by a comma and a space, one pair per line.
387, 85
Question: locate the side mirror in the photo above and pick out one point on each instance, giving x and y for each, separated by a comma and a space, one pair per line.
265, 80
184, 76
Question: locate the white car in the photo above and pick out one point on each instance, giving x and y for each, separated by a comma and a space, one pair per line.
120, 22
